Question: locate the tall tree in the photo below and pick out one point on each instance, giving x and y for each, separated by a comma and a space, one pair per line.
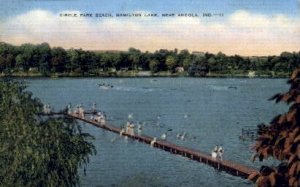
134, 56
154, 66
44, 57
281, 140
171, 63
27, 51
36, 151
58, 59
74, 60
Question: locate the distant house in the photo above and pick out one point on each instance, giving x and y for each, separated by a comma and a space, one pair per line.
112, 69
251, 74
179, 69
144, 73
33, 69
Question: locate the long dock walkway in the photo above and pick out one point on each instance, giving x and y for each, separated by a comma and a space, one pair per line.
225, 165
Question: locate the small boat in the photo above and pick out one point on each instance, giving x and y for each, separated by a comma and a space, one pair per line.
105, 86
232, 87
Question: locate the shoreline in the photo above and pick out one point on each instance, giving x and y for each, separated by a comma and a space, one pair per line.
137, 75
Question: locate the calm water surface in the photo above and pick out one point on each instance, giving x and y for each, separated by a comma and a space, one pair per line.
210, 111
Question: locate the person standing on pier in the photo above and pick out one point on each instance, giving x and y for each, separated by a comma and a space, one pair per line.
69, 108
131, 128
214, 152
164, 136
153, 142
102, 120
48, 108
127, 127
45, 109
216, 148
220, 152
76, 110
98, 117
81, 112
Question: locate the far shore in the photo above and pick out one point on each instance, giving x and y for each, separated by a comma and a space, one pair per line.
144, 74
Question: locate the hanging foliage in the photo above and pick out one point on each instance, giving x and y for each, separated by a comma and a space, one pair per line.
34, 150
281, 140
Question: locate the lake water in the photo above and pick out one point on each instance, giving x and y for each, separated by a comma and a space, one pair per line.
211, 111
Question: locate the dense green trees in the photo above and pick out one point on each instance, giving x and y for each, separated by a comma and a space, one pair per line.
171, 63
34, 150
46, 60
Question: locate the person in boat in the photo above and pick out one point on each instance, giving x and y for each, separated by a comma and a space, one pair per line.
106, 86
220, 152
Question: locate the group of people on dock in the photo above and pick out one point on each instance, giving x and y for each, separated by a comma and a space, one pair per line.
79, 111
99, 117
217, 152
47, 109
130, 128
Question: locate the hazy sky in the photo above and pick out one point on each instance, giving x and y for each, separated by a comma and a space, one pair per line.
246, 27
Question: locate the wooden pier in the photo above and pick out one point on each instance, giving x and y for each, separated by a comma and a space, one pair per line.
227, 166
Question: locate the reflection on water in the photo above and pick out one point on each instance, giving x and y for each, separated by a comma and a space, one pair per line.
207, 111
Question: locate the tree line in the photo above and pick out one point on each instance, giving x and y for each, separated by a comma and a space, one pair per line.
44, 59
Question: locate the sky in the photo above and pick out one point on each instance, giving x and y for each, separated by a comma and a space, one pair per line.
244, 27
